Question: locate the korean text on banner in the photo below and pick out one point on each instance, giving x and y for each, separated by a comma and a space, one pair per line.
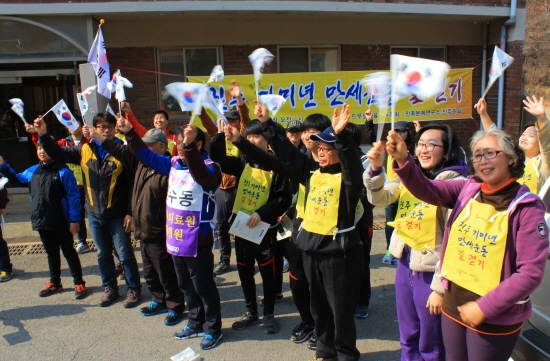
308, 93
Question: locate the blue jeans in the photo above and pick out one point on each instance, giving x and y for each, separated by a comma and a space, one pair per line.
105, 232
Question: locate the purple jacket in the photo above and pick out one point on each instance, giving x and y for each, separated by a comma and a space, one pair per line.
526, 245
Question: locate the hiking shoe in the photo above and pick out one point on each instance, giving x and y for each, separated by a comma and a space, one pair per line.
82, 248
278, 298
246, 320
109, 296
153, 309
210, 341
302, 333
188, 332
132, 298
5, 276
312, 343
361, 311
285, 266
80, 291
173, 318
221, 268
270, 325
50, 289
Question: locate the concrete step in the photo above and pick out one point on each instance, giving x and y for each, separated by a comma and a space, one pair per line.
18, 196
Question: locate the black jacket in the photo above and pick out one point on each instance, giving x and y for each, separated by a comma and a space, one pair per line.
280, 195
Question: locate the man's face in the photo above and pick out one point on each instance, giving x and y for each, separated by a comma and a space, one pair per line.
160, 121
310, 144
294, 136
235, 123
104, 128
42, 155
258, 140
327, 154
157, 147
77, 132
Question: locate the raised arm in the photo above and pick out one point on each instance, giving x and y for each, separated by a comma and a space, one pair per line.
536, 107
138, 127
63, 154
16, 179
370, 134
230, 165
207, 176
481, 107
114, 148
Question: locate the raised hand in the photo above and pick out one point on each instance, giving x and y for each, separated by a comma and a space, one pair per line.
368, 115
189, 134
220, 125
125, 107
40, 126
397, 148
123, 124
535, 106
90, 132
377, 155
30, 128
339, 121
481, 106
232, 134
235, 89
261, 112
417, 125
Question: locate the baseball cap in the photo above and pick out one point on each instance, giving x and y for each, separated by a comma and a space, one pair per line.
155, 135
401, 125
232, 115
295, 125
327, 136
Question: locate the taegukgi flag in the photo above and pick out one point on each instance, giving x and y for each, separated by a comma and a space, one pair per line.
117, 86
188, 95
216, 75
64, 115
83, 99
18, 108
259, 58
421, 77
500, 62
273, 102
98, 58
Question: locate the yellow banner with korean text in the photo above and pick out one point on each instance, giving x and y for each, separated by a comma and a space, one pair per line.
308, 93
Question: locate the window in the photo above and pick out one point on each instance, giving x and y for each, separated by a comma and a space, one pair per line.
433, 53
303, 59
185, 62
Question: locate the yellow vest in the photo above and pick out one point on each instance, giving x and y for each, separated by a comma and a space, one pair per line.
531, 175
253, 190
389, 170
323, 199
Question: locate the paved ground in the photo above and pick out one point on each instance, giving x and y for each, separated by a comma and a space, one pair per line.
62, 328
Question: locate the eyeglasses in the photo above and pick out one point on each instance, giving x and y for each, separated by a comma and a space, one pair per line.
490, 154
429, 146
105, 127
323, 150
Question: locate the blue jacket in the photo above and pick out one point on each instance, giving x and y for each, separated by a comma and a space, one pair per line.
53, 191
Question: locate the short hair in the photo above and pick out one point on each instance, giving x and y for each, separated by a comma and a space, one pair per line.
253, 127
528, 125
79, 119
161, 112
107, 117
200, 136
453, 154
355, 132
317, 121
508, 146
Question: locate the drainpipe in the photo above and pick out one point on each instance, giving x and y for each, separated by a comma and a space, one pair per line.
484, 64
508, 22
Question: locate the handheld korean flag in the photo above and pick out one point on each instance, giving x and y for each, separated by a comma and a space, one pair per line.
500, 62
259, 58
64, 115
186, 94
210, 102
98, 58
421, 77
378, 85
83, 99
18, 108
272, 102
117, 86
216, 75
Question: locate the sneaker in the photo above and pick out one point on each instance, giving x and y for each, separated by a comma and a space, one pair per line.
173, 318
82, 248
222, 267
246, 320
5, 276
270, 325
210, 341
278, 298
153, 309
109, 296
50, 289
312, 343
187, 332
285, 266
389, 259
361, 311
132, 298
302, 333
80, 291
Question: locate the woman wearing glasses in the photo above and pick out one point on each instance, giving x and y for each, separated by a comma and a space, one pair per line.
416, 241
494, 250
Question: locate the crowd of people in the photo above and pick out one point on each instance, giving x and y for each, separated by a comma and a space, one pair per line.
467, 233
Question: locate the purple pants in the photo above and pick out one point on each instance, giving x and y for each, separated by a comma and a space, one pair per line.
463, 344
419, 332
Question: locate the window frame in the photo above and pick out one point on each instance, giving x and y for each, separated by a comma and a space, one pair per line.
418, 47
338, 57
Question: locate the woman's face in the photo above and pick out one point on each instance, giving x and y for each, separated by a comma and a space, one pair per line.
496, 171
529, 142
432, 138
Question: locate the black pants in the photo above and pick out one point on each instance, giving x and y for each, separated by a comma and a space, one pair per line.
365, 290
52, 241
82, 232
247, 253
334, 280
299, 286
196, 280
160, 275
5, 263
279, 252
224, 206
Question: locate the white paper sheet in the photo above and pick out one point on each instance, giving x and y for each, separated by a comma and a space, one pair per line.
240, 229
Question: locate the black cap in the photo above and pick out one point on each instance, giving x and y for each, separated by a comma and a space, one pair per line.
232, 115
402, 126
295, 125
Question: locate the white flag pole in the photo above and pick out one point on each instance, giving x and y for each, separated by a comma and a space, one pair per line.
393, 100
